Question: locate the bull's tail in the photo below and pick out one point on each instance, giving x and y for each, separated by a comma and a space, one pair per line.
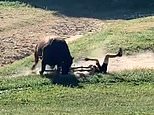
36, 57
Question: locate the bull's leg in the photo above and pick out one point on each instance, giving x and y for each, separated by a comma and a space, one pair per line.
65, 69
58, 68
36, 59
64, 72
43, 67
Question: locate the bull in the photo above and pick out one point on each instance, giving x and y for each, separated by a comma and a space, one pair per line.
54, 52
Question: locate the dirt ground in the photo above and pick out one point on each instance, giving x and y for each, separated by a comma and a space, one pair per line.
20, 30
138, 61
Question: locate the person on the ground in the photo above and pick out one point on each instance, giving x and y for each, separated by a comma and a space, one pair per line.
103, 68
98, 68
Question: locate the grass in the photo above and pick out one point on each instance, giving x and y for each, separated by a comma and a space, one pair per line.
97, 99
129, 35
15, 4
16, 67
126, 92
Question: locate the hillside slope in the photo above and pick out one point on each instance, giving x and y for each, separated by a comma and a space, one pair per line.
22, 27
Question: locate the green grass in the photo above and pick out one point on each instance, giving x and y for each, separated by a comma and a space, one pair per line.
16, 67
96, 99
15, 4
129, 35
128, 92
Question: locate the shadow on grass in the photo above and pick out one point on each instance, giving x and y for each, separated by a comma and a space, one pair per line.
72, 80
64, 80
134, 77
99, 9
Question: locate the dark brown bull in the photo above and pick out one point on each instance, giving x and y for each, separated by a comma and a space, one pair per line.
54, 52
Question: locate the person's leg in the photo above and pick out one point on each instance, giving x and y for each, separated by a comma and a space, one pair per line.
119, 54
106, 60
103, 68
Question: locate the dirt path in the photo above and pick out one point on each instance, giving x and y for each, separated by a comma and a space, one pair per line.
138, 61
142, 60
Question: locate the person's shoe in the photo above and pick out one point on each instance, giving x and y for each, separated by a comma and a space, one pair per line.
119, 52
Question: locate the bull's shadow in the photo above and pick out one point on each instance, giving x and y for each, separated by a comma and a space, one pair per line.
64, 80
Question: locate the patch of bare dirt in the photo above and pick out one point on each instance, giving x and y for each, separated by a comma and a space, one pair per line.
138, 61
19, 33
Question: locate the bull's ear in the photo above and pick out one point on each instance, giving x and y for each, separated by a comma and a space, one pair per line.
72, 58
